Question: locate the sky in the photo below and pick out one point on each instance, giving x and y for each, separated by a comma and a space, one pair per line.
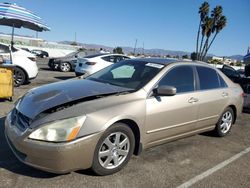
165, 24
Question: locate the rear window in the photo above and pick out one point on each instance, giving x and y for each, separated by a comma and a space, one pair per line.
208, 78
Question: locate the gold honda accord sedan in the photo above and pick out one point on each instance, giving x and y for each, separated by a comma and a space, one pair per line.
99, 122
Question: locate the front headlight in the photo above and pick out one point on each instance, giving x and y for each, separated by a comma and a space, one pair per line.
59, 131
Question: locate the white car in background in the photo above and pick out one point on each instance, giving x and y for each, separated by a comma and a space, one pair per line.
93, 63
25, 64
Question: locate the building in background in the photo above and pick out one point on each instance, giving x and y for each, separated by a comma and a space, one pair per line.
221, 60
247, 57
53, 48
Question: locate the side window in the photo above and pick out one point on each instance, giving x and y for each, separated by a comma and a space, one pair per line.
106, 58
208, 78
181, 77
110, 59
118, 58
222, 81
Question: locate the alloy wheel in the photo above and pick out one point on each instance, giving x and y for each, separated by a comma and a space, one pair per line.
226, 122
114, 150
65, 67
19, 77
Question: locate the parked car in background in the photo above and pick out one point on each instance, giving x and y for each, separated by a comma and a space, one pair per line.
231, 73
93, 63
66, 63
247, 97
25, 64
242, 78
241, 73
99, 122
26, 49
40, 53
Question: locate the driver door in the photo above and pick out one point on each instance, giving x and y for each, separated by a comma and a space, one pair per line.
170, 116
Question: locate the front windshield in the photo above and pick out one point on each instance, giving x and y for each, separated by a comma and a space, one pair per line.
128, 74
72, 54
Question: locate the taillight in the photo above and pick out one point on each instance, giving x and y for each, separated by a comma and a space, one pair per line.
32, 58
90, 63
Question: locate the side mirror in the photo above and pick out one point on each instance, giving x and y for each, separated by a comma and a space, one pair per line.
165, 91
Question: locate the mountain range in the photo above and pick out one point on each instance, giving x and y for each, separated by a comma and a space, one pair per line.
154, 51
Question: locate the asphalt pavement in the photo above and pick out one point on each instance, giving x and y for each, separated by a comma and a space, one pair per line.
198, 161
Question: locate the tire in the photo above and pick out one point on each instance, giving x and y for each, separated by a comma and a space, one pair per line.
109, 155
53, 67
225, 122
19, 77
65, 67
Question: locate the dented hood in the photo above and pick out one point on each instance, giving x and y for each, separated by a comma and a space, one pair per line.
45, 97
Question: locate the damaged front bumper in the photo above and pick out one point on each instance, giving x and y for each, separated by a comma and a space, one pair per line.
52, 157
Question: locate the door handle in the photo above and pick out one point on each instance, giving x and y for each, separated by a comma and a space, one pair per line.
224, 94
193, 100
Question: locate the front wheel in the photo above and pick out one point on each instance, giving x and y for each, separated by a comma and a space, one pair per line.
225, 123
113, 150
65, 67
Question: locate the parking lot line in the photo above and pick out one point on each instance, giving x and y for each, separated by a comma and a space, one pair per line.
214, 169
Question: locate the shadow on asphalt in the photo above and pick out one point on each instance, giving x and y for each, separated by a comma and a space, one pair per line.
209, 134
9, 162
45, 68
4, 100
64, 77
87, 172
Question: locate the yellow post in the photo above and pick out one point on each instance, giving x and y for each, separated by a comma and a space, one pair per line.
6, 81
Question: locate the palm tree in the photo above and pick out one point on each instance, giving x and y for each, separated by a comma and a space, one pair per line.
211, 26
221, 23
206, 31
215, 17
203, 11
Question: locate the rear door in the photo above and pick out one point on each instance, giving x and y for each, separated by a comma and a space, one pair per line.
213, 96
169, 116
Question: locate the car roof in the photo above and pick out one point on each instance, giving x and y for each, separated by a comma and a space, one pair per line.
166, 61
103, 55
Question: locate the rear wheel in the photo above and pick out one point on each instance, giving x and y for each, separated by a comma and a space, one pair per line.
225, 123
19, 77
113, 150
65, 67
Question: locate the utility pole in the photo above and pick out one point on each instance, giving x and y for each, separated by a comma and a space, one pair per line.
135, 45
75, 37
143, 48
